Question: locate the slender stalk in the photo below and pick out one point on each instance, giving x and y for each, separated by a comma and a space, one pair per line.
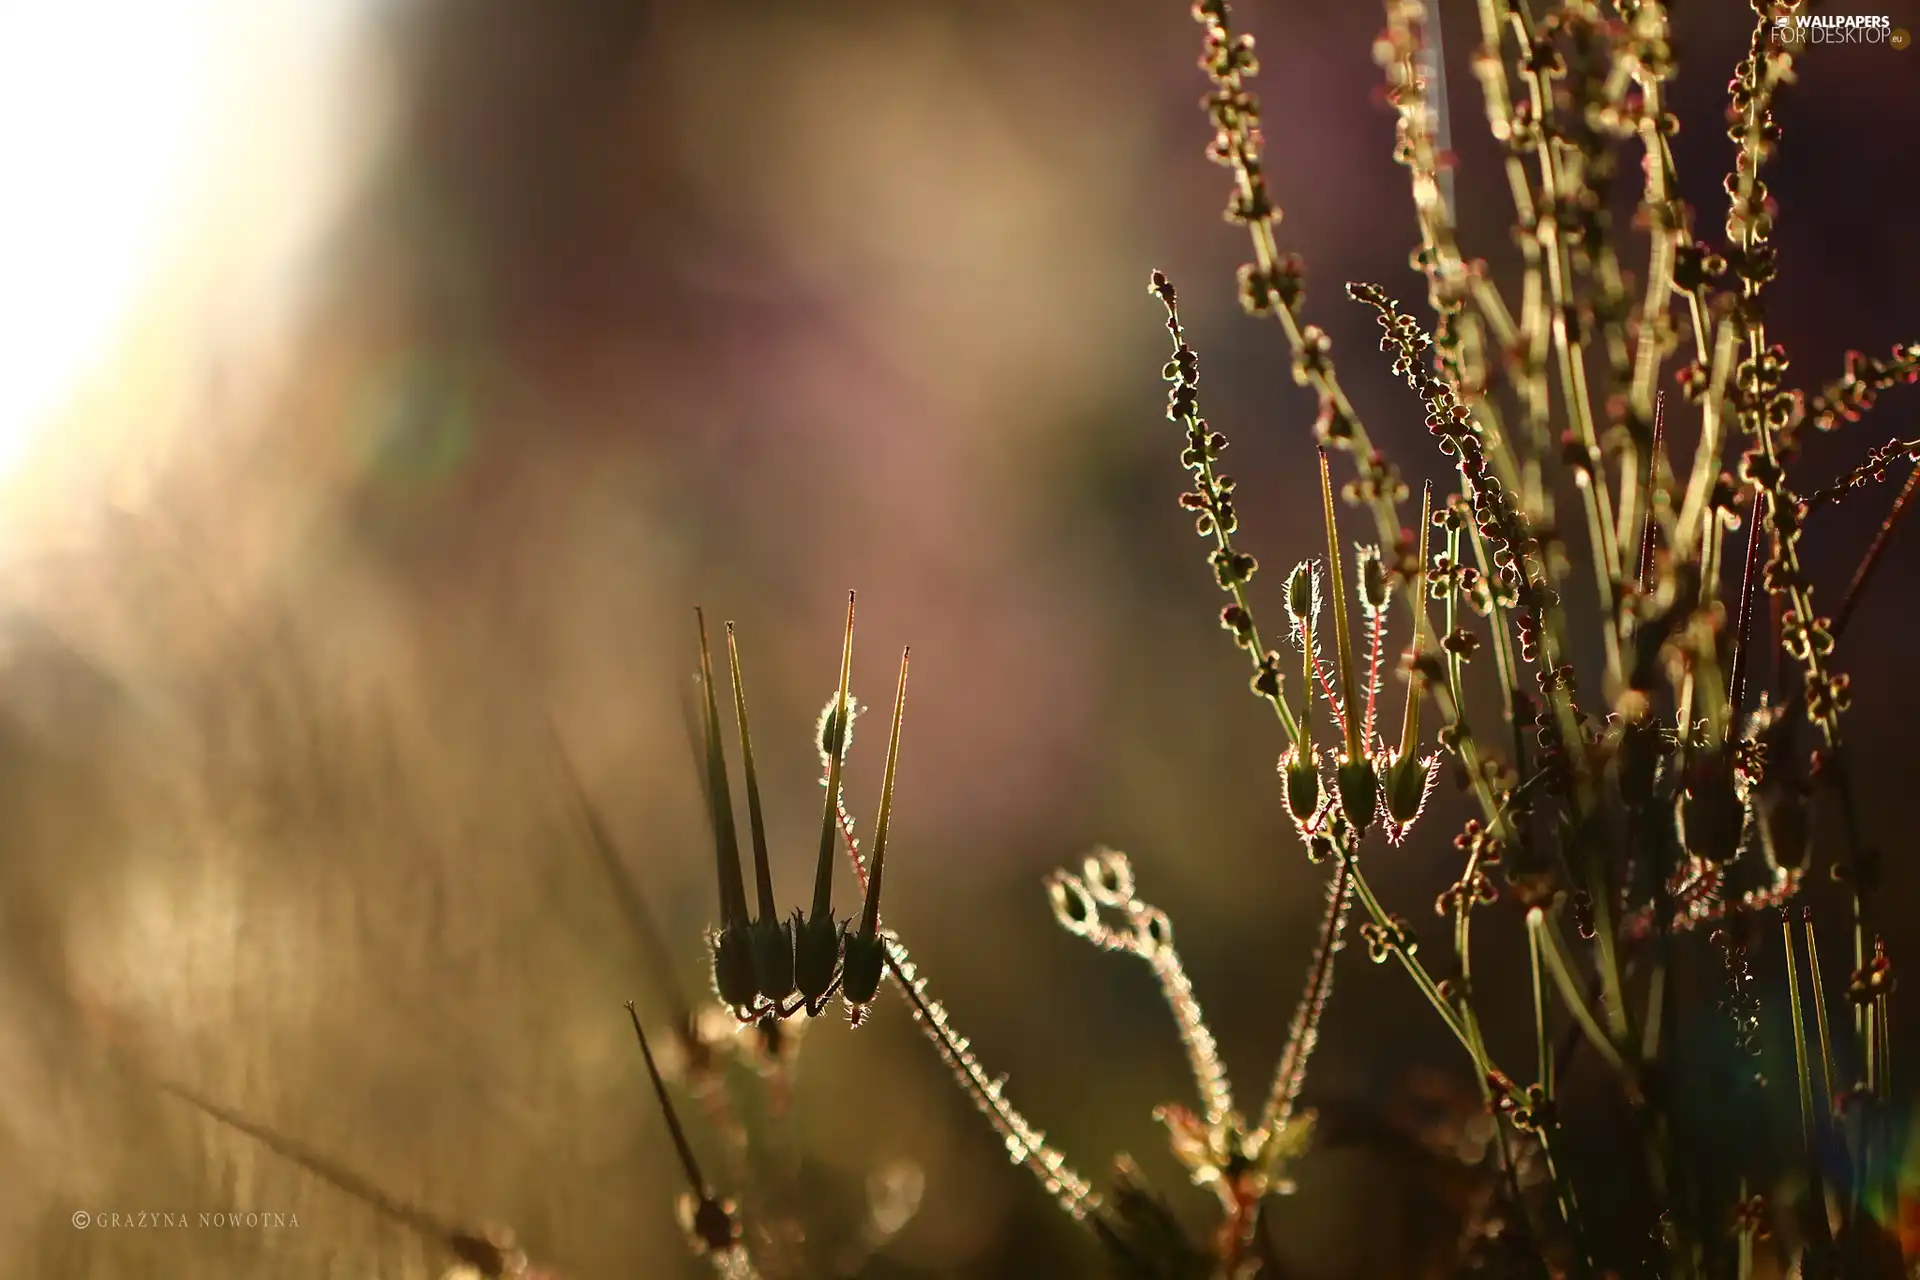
1538, 924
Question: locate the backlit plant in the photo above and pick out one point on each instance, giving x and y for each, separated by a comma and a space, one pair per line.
1645, 815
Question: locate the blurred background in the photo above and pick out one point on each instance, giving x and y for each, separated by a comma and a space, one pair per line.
379, 377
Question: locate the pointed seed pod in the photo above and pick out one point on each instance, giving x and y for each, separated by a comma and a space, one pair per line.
771, 937
1712, 817
1359, 792
1301, 770
733, 969
1356, 752
707, 1218
818, 939
1408, 776
1637, 762
865, 957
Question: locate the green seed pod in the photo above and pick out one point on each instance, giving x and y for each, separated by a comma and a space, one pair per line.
860, 975
817, 957
733, 969
1301, 770
1406, 786
1359, 792
773, 958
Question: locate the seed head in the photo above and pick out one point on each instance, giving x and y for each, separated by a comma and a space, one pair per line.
1359, 791
1300, 768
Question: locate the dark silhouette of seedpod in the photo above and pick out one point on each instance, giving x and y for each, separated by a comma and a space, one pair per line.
865, 950
818, 939
733, 968
1637, 763
771, 937
1712, 815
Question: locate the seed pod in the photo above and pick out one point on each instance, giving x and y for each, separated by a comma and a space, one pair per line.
1711, 814
817, 956
1781, 808
733, 967
773, 957
1638, 762
1359, 792
860, 972
1301, 770
861, 969
734, 978
1408, 779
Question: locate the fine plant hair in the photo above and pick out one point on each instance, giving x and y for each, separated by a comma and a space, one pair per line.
1645, 822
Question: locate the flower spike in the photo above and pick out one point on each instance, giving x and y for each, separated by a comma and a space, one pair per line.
864, 959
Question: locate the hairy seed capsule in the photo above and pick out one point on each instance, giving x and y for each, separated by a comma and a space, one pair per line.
733, 970
817, 957
1302, 773
1359, 792
1406, 787
1711, 814
861, 968
773, 958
